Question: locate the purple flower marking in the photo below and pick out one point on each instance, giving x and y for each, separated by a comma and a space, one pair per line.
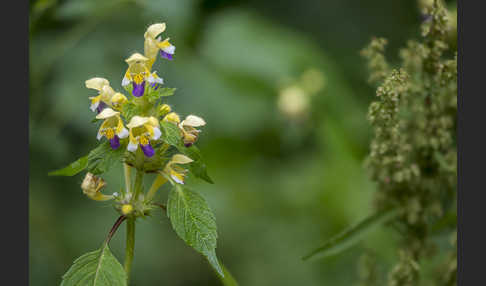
138, 89
100, 107
115, 142
148, 150
166, 55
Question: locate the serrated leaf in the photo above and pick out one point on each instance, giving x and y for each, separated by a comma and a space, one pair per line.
98, 161
198, 167
103, 157
194, 222
96, 268
353, 234
154, 94
129, 110
72, 169
171, 133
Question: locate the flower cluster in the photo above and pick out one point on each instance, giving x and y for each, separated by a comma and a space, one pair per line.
140, 130
134, 121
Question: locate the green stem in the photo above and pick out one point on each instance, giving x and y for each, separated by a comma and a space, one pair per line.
138, 185
127, 170
130, 246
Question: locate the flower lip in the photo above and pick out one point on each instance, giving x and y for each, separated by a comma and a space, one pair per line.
154, 30
96, 83
107, 113
136, 57
193, 121
137, 121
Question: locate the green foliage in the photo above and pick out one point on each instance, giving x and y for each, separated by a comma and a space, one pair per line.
96, 268
73, 168
98, 161
130, 109
170, 133
413, 154
194, 222
352, 235
154, 94
198, 167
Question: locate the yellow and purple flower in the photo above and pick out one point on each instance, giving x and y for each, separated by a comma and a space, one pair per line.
112, 128
142, 130
177, 173
137, 73
154, 44
105, 93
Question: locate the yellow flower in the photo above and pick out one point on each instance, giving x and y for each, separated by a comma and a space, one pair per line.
176, 172
189, 132
118, 100
92, 186
112, 128
136, 73
105, 93
142, 130
154, 44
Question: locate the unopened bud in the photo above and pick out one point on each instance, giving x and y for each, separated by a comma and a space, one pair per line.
164, 109
172, 117
126, 209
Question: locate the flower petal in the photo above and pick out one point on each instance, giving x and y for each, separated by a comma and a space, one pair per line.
107, 113
180, 159
154, 30
96, 83
138, 89
115, 142
148, 150
123, 133
193, 121
137, 121
132, 147
157, 133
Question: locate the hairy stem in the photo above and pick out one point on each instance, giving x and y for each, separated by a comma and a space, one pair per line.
138, 185
127, 170
130, 246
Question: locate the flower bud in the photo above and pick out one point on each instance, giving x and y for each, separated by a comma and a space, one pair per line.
164, 109
172, 117
126, 209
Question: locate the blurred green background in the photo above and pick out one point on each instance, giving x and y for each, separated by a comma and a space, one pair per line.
283, 90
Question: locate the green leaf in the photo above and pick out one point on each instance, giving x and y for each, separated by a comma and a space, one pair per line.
72, 169
194, 222
130, 109
96, 268
103, 157
198, 167
171, 133
98, 161
154, 94
352, 235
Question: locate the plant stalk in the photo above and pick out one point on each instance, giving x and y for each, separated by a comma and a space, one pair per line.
127, 170
130, 246
138, 185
